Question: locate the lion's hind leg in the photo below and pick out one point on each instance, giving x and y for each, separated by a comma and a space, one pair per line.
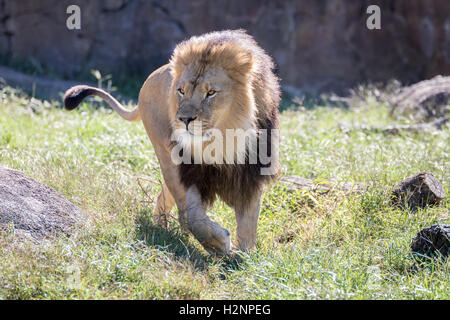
164, 204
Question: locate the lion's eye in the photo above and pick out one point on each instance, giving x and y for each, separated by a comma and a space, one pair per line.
211, 93
181, 91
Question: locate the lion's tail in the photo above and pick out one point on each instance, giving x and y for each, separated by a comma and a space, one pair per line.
74, 96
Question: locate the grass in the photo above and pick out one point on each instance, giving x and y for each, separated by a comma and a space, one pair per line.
309, 246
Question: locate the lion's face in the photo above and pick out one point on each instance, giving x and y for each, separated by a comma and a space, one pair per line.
211, 93
203, 100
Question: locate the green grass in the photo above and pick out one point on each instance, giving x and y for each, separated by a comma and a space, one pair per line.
354, 247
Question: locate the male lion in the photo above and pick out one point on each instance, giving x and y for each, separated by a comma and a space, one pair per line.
220, 80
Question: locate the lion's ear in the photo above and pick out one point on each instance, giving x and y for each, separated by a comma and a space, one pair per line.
239, 63
244, 61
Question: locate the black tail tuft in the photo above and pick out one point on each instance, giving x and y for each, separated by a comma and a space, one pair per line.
74, 96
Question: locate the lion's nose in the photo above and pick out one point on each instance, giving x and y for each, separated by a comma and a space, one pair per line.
187, 120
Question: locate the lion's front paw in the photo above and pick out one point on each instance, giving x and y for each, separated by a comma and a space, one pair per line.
220, 244
215, 239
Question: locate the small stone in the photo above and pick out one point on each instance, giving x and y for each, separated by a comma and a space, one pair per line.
418, 191
432, 240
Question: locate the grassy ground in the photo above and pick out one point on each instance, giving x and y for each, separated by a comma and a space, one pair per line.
309, 246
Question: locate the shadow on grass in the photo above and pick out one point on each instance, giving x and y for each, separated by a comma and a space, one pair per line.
429, 261
176, 242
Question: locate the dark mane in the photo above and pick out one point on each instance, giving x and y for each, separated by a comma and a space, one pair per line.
237, 183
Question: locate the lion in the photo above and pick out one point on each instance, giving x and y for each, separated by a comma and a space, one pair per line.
218, 81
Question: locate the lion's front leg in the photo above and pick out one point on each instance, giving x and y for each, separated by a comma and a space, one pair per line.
214, 238
247, 215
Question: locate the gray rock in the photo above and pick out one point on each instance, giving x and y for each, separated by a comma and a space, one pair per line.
418, 191
34, 210
432, 240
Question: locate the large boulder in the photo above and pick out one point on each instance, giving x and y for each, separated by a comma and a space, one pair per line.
35, 211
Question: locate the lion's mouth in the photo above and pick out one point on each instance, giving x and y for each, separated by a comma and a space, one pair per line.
198, 129
189, 135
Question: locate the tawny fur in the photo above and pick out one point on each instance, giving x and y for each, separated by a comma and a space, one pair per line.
247, 97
